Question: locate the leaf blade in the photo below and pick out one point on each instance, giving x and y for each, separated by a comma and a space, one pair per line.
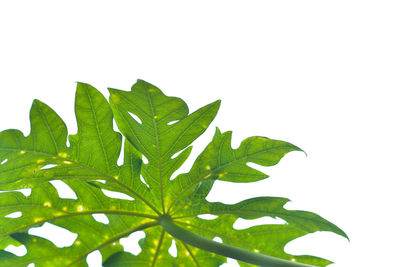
155, 137
220, 161
159, 132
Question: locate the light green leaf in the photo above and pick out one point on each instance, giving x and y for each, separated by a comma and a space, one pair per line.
220, 161
158, 132
154, 136
91, 157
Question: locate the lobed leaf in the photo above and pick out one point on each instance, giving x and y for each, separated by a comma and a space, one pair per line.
156, 138
158, 132
219, 161
91, 157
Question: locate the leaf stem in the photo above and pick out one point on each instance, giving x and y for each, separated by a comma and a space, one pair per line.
223, 249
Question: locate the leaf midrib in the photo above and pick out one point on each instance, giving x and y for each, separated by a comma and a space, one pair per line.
190, 253
158, 151
48, 129
98, 131
106, 176
117, 237
185, 130
159, 245
83, 213
214, 170
280, 215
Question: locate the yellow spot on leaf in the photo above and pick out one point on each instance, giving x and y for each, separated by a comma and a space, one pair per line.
47, 204
67, 162
40, 161
115, 98
208, 167
155, 117
151, 90
256, 250
221, 175
22, 152
64, 208
106, 237
77, 242
116, 177
80, 208
63, 154
36, 220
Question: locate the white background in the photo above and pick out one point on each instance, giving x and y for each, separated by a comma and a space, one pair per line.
323, 75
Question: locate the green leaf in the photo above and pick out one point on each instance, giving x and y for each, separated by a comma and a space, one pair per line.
92, 156
220, 161
158, 131
155, 137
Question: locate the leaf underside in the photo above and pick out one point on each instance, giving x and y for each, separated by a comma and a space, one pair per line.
158, 132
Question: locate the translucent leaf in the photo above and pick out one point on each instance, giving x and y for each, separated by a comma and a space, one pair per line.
159, 131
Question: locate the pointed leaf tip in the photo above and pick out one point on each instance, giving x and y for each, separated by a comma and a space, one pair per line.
36, 101
89, 166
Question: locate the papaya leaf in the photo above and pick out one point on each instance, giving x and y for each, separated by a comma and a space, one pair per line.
158, 132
